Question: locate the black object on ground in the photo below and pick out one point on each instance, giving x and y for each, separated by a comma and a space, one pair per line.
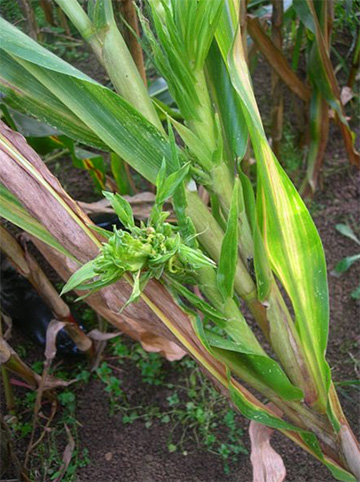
28, 311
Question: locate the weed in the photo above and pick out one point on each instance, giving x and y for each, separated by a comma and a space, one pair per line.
112, 384
46, 459
291, 154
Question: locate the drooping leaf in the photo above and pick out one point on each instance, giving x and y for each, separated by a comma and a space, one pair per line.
26, 94
114, 121
277, 59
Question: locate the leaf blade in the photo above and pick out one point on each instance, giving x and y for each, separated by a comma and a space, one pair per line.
229, 248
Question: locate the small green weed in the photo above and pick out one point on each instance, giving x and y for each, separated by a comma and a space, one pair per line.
345, 264
291, 154
45, 462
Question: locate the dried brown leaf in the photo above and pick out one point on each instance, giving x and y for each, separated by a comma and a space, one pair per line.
141, 205
51, 333
68, 454
276, 59
98, 335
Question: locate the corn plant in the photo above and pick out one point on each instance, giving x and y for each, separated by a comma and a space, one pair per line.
239, 251
310, 22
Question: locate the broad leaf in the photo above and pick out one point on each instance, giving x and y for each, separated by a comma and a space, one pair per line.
114, 121
289, 234
26, 94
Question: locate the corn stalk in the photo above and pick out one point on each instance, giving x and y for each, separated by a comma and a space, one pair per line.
250, 242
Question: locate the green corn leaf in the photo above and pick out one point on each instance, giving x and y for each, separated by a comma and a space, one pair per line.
291, 240
229, 248
122, 208
228, 105
346, 263
260, 367
254, 410
198, 303
13, 211
84, 273
116, 122
169, 184
346, 230
26, 94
